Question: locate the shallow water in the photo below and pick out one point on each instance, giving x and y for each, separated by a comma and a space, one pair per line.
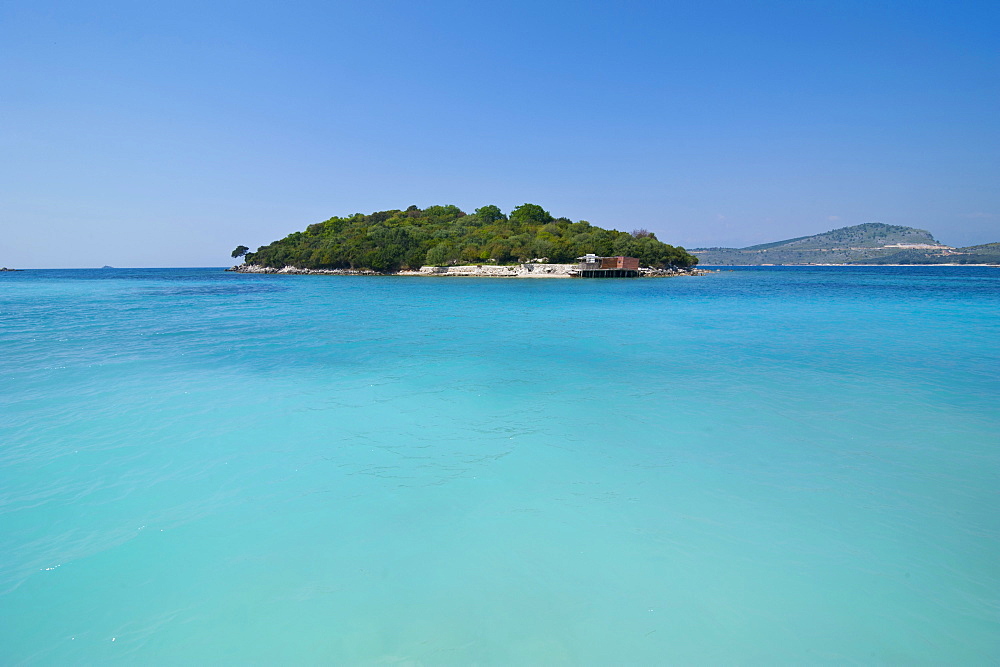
793, 465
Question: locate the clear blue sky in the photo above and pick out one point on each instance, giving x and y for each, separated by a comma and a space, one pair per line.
164, 134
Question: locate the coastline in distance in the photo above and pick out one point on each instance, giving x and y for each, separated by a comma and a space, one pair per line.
869, 243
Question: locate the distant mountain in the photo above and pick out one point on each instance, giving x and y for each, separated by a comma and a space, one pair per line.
988, 253
868, 235
870, 243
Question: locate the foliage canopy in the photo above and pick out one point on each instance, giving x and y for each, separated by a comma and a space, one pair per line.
443, 235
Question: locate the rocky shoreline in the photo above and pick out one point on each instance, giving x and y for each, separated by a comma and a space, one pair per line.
470, 271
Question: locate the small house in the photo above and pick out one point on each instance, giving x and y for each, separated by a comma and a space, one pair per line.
593, 266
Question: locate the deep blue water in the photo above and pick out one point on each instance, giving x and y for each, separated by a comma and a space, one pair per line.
766, 465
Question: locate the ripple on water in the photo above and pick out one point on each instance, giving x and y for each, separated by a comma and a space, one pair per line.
790, 465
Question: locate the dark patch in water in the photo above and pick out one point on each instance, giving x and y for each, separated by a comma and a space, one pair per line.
222, 289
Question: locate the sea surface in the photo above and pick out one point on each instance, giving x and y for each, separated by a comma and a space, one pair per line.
760, 466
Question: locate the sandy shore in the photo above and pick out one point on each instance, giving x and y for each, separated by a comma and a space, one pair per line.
469, 271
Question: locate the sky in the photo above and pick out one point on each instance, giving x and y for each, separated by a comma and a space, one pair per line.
166, 134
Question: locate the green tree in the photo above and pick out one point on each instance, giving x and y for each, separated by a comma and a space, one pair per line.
530, 214
439, 255
490, 213
240, 251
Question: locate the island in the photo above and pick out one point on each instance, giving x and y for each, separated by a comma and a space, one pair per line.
869, 243
444, 240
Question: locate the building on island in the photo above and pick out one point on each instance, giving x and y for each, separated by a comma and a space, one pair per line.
592, 266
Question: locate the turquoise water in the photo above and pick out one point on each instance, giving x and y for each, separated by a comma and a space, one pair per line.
759, 466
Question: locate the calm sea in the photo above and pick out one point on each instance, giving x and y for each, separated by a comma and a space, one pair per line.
772, 465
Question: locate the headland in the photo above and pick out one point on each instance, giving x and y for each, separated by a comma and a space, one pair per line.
869, 244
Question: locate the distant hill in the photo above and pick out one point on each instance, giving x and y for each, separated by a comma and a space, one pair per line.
388, 241
870, 243
988, 253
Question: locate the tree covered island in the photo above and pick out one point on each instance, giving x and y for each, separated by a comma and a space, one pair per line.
388, 241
